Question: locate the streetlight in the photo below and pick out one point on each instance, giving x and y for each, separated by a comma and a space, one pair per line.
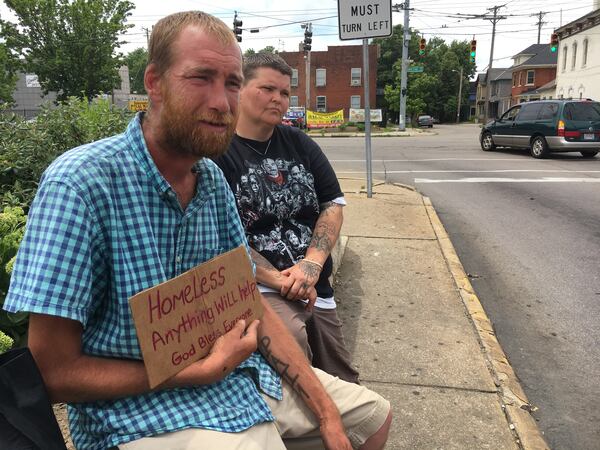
459, 93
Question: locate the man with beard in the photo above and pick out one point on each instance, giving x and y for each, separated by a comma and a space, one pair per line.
308, 197
118, 216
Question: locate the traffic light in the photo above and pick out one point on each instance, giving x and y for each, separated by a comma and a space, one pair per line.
236, 28
554, 43
473, 50
422, 44
307, 40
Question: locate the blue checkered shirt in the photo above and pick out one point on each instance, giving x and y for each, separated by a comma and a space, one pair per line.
104, 225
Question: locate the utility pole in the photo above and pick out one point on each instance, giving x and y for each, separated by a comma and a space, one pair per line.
308, 34
403, 73
494, 19
147, 36
459, 95
539, 23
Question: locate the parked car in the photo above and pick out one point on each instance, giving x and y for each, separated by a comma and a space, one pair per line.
425, 121
547, 126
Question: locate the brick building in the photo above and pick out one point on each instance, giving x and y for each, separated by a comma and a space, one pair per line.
336, 78
533, 68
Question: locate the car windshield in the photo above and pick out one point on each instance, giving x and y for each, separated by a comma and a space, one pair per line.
582, 111
424, 117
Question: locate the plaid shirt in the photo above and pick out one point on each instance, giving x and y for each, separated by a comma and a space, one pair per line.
105, 225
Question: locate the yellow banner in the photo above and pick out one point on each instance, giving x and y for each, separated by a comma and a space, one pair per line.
324, 120
138, 105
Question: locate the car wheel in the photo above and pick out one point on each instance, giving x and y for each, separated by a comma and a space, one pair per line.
539, 147
487, 143
589, 154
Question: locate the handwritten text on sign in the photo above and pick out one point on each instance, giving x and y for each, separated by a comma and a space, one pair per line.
178, 321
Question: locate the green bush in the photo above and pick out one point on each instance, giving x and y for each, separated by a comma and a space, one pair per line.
360, 126
27, 147
5, 342
12, 228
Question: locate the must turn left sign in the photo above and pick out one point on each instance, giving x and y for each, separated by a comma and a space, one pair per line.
361, 19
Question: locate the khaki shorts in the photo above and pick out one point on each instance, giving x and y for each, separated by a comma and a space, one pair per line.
295, 427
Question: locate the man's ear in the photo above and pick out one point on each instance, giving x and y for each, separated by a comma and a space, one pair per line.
152, 83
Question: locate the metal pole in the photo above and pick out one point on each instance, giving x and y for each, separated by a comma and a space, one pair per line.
487, 88
459, 95
309, 27
367, 119
403, 75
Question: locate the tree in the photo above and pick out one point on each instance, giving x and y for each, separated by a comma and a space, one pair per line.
9, 62
136, 61
70, 44
268, 49
249, 52
390, 52
435, 91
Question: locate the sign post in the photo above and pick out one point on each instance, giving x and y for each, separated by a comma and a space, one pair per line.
364, 19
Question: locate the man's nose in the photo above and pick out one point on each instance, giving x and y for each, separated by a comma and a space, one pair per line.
219, 98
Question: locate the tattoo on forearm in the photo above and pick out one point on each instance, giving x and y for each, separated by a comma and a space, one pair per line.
321, 239
281, 367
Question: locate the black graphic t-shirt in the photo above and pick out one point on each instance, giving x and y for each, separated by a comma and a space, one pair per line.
278, 186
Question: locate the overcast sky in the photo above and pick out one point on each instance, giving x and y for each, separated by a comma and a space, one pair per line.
279, 22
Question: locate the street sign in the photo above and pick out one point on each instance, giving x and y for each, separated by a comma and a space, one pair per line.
415, 69
362, 19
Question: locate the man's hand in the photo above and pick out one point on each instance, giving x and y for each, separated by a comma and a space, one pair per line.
334, 436
227, 353
301, 278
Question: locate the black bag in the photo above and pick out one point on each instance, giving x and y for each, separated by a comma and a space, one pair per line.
27, 421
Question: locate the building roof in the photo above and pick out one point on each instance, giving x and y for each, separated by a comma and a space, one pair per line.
540, 90
583, 23
501, 74
541, 55
548, 86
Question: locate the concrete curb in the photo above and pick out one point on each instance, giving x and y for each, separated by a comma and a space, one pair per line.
374, 135
514, 401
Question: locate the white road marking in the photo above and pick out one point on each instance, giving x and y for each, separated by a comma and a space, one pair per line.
448, 159
475, 171
510, 180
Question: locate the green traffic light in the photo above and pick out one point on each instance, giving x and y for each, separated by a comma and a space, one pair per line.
553, 49
421, 52
473, 54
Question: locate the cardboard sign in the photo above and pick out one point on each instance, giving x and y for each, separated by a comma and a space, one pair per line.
178, 321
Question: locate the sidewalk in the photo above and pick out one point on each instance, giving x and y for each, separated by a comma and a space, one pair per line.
408, 132
418, 333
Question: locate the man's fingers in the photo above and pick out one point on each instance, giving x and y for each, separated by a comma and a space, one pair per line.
294, 291
285, 286
312, 298
252, 330
239, 328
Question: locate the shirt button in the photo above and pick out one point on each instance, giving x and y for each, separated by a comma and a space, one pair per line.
178, 259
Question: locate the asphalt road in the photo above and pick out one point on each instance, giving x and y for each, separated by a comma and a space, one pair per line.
528, 233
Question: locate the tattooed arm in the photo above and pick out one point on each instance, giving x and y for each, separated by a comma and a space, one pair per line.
283, 353
306, 273
268, 275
